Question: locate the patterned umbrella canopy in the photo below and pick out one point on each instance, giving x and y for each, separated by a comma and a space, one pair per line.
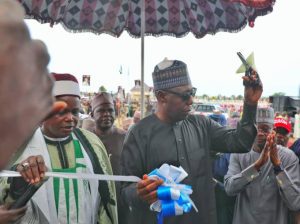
162, 17
148, 17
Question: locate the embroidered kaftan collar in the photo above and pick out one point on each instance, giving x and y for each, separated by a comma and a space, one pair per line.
55, 141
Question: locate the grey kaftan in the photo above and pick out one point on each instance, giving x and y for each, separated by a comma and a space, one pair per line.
263, 197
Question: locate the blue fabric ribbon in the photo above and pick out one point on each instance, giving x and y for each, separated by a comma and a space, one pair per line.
173, 198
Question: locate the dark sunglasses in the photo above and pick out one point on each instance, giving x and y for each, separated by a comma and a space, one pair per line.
185, 96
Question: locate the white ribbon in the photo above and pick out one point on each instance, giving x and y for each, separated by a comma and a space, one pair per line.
8, 173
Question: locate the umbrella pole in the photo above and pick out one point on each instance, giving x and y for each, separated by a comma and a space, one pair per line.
142, 58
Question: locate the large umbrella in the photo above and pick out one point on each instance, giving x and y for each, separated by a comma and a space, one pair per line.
148, 17
171, 17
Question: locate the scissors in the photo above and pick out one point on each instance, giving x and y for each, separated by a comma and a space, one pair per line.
249, 71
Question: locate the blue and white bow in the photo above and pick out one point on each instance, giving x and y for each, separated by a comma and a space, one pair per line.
173, 198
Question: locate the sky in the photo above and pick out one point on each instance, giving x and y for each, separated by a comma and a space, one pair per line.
211, 60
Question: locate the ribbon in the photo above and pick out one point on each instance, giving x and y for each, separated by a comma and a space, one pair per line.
173, 198
8, 173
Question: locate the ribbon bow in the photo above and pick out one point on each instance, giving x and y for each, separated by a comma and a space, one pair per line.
173, 198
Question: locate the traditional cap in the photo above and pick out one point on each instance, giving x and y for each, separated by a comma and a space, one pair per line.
65, 85
265, 115
101, 98
283, 123
169, 74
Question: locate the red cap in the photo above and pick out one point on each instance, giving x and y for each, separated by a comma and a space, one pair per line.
283, 123
65, 85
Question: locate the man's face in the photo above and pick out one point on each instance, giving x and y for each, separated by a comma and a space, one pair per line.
281, 136
62, 124
263, 130
179, 102
104, 115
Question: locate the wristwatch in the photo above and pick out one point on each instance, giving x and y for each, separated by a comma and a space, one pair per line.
278, 169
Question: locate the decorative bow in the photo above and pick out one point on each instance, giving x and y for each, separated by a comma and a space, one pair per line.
173, 198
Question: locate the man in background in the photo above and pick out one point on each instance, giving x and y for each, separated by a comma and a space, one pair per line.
282, 127
103, 113
266, 180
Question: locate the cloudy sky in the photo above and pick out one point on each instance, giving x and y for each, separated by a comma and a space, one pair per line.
212, 60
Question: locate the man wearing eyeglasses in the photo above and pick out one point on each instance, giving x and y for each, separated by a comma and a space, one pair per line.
173, 136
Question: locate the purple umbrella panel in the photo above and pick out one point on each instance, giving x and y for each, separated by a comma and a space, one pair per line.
162, 17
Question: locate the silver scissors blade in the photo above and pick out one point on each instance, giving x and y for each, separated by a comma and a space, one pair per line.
243, 60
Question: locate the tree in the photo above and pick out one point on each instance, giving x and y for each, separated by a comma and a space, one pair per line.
204, 96
240, 97
102, 89
279, 94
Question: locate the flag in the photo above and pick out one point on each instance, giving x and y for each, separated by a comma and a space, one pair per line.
121, 70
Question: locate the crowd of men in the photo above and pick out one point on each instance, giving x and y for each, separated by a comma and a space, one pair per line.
251, 166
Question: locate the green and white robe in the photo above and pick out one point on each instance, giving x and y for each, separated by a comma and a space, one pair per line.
68, 201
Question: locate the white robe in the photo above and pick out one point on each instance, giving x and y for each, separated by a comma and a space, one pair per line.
44, 197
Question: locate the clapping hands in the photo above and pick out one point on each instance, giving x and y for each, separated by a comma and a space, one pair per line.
269, 151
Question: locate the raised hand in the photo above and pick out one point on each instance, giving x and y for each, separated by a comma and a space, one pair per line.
253, 88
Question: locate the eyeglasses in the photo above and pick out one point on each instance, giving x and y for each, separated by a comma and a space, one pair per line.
264, 129
185, 96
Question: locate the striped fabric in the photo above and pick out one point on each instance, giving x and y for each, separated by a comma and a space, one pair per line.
69, 205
